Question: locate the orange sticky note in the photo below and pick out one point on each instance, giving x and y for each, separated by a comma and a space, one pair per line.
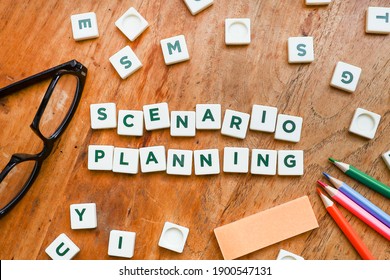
265, 228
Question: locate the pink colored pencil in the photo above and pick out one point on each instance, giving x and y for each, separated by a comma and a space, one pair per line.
357, 210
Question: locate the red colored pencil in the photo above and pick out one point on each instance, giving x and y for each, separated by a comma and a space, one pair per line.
343, 224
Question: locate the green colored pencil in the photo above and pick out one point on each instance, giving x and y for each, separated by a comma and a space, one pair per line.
362, 177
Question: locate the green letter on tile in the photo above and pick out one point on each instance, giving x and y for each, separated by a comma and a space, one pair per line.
347, 77
102, 114
154, 114
84, 23
208, 160
293, 126
301, 49
125, 121
126, 62
122, 162
99, 154
260, 160
290, 164
208, 115
180, 161
174, 47
59, 248
184, 122
120, 242
151, 157
80, 214
236, 121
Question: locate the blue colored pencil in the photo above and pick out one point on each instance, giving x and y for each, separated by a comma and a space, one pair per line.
363, 202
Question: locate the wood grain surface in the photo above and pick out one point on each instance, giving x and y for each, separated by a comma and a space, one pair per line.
37, 35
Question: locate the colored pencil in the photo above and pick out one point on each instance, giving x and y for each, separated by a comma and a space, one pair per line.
346, 228
360, 200
362, 177
357, 210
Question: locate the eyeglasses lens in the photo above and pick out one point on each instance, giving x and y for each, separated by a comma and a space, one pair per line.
59, 105
15, 180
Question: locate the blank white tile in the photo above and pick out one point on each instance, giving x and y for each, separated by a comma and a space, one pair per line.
286, 255
364, 123
132, 24
386, 158
300, 49
237, 31
121, 244
62, 248
130, 123
235, 124
206, 162
290, 162
208, 116
183, 123
378, 20
346, 76
125, 160
196, 6
153, 159
179, 162
235, 160
125, 62
263, 118
263, 162
83, 216
156, 116
84, 26
174, 49
173, 237
103, 115
318, 2
100, 157
288, 128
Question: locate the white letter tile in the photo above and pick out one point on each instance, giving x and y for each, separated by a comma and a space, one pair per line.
156, 116
346, 77
173, 237
288, 128
132, 24
174, 49
121, 244
84, 26
290, 163
364, 123
263, 118
125, 62
183, 123
153, 159
208, 116
179, 162
235, 124
100, 157
103, 115
125, 160
83, 216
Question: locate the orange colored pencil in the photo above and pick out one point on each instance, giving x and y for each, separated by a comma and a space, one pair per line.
343, 224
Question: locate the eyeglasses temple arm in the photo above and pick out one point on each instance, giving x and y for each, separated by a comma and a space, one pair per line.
31, 80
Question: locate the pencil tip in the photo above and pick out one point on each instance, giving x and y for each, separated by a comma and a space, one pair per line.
326, 175
322, 184
332, 160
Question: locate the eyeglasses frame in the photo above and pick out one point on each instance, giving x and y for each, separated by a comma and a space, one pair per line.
72, 67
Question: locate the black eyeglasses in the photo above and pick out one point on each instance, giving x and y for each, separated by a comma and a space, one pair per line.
53, 116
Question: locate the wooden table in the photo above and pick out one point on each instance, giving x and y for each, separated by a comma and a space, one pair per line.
37, 35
